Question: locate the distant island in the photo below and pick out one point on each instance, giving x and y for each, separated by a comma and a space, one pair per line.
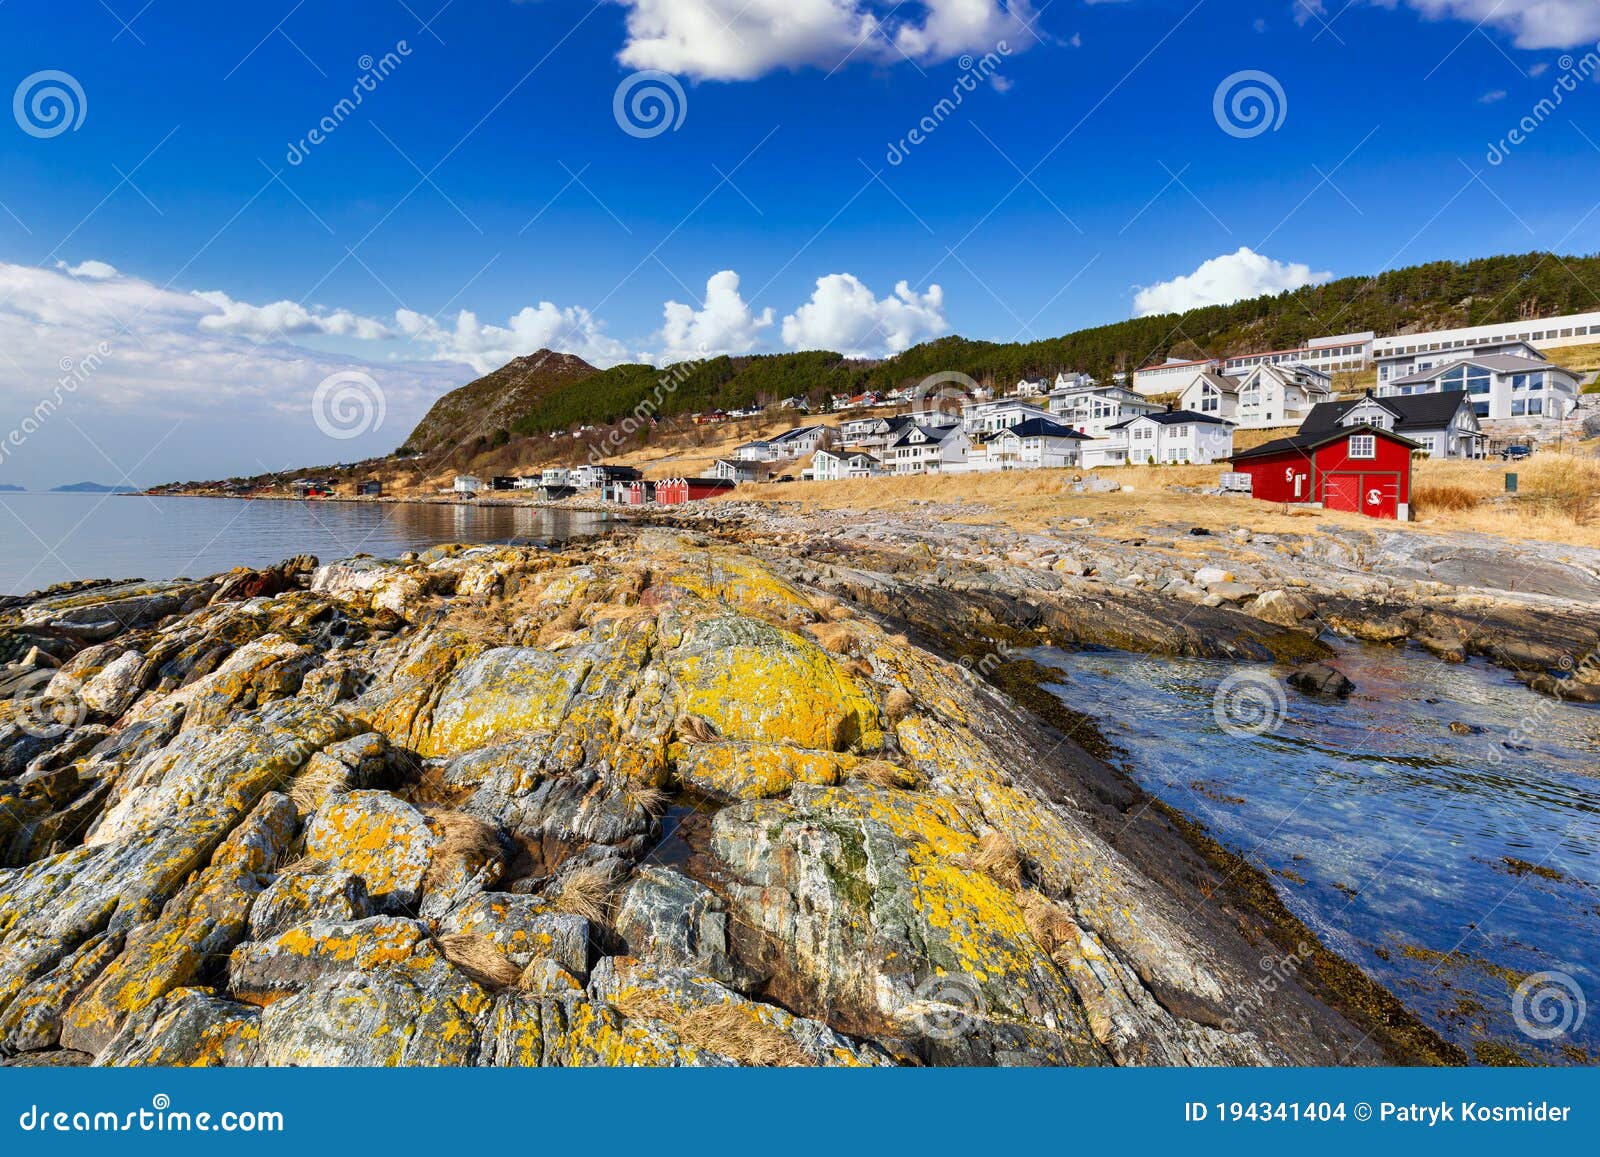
92, 488
10, 489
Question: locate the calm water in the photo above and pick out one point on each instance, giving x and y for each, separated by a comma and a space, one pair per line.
48, 538
1411, 850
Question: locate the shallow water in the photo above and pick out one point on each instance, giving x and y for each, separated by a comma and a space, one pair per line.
1451, 867
49, 538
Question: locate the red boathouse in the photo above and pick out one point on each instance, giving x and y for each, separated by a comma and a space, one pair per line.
676, 490
1361, 469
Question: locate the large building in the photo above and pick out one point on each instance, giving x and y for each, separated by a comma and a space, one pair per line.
1265, 397
1500, 386
1171, 376
1542, 334
1344, 353
1091, 409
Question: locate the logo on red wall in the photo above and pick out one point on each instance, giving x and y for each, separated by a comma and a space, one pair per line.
1374, 497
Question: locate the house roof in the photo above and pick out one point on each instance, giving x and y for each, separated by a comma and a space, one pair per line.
1220, 381
1305, 443
1499, 363
1042, 428
793, 435
1411, 412
1171, 418
1175, 363
935, 434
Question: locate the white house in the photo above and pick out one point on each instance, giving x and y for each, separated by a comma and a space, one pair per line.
1171, 376
927, 449
1172, 436
1214, 394
758, 451
1410, 360
991, 417
1442, 424
1092, 409
1031, 389
467, 484
1278, 396
740, 470
1498, 386
800, 441
1034, 444
850, 462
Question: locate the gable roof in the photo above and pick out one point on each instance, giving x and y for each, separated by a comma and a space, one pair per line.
794, 434
1411, 411
1306, 443
1171, 418
934, 434
1499, 363
1041, 428
1220, 382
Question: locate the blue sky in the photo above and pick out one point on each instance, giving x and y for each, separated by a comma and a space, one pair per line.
484, 198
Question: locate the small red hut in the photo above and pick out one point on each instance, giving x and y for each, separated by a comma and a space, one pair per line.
676, 490
1362, 469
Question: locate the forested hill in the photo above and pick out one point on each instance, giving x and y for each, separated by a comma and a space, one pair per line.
1440, 294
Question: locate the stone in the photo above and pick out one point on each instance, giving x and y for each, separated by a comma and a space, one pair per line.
1207, 575
377, 837
113, 689
1281, 607
1320, 679
525, 929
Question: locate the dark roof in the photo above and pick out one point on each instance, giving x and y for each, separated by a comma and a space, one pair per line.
1172, 418
1411, 411
1042, 428
797, 432
1305, 443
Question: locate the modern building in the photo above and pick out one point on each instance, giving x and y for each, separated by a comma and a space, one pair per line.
1270, 396
1091, 409
1362, 469
927, 449
1499, 386
1172, 436
1443, 425
741, 470
1541, 334
1171, 376
852, 462
983, 418
1394, 366
1038, 443
1343, 353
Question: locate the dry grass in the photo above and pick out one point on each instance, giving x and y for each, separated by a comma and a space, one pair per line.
694, 729
477, 956
650, 800
1558, 501
587, 892
1430, 499
837, 636
882, 773
997, 857
733, 1030
319, 779
463, 841
1049, 924
898, 704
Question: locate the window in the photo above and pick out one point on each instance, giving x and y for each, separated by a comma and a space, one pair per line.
1363, 446
1536, 406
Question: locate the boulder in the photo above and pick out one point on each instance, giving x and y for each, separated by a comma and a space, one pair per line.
378, 837
1320, 679
1281, 607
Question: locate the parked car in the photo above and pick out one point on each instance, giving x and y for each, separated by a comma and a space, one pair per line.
1513, 453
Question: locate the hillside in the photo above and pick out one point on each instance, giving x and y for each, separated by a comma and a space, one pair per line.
1439, 294
487, 407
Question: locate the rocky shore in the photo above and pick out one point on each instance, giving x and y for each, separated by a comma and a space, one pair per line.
654, 799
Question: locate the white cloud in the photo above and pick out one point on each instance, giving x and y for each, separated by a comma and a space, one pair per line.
486, 347
1531, 23
102, 365
93, 270
725, 325
844, 315
1231, 277
745, 39
283, 318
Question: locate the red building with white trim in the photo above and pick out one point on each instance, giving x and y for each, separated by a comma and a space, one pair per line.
1361, 469
675, 490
